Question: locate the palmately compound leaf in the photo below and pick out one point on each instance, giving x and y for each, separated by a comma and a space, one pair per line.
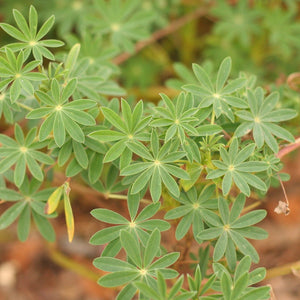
220, 96
140, 266
29, 37
130, 129
235, 168
29, 203
23, 153
261, 118
193, 206
139, 224
62, 115
158, 168
17, 76
230, 230
123, 21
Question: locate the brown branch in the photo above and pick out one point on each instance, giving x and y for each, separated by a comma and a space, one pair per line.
159, 34
289, 148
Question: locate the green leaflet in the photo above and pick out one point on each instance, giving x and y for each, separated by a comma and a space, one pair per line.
219, 96
30, 37
23, 153
227, 231
235, 169
260, 120
63, 116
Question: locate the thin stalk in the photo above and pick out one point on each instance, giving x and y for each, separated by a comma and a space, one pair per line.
251, 206
124, 197
283, 270
212, 121
24, 106
116, 196
284, 191
69, 264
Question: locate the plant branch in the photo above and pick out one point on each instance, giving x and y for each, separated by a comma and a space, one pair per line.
124, 197
283, 270
159, 34
69, 264
81, 189
24, 106
251, 206
289, 148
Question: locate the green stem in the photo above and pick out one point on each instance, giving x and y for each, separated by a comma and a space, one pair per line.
212, 121
117, 196
72, 265
181, 161
24, 106
283, 270
124, 197
251, 206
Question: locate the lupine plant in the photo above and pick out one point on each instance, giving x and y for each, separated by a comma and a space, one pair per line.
188, 161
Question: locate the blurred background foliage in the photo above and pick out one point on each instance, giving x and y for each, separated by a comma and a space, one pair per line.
262, 37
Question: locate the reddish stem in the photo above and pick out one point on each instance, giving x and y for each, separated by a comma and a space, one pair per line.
289, 148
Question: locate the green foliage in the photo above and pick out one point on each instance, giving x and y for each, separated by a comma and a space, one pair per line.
237, 286
122, 21
235, 168
30, 37
231, 230
61, 115
158, 168
193, 207
141, 266
159, 291
284, 31
130, 131
139, 225
186, 156
30, 201
22, 152
236, 23
220, 96
263, 113
18, 76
